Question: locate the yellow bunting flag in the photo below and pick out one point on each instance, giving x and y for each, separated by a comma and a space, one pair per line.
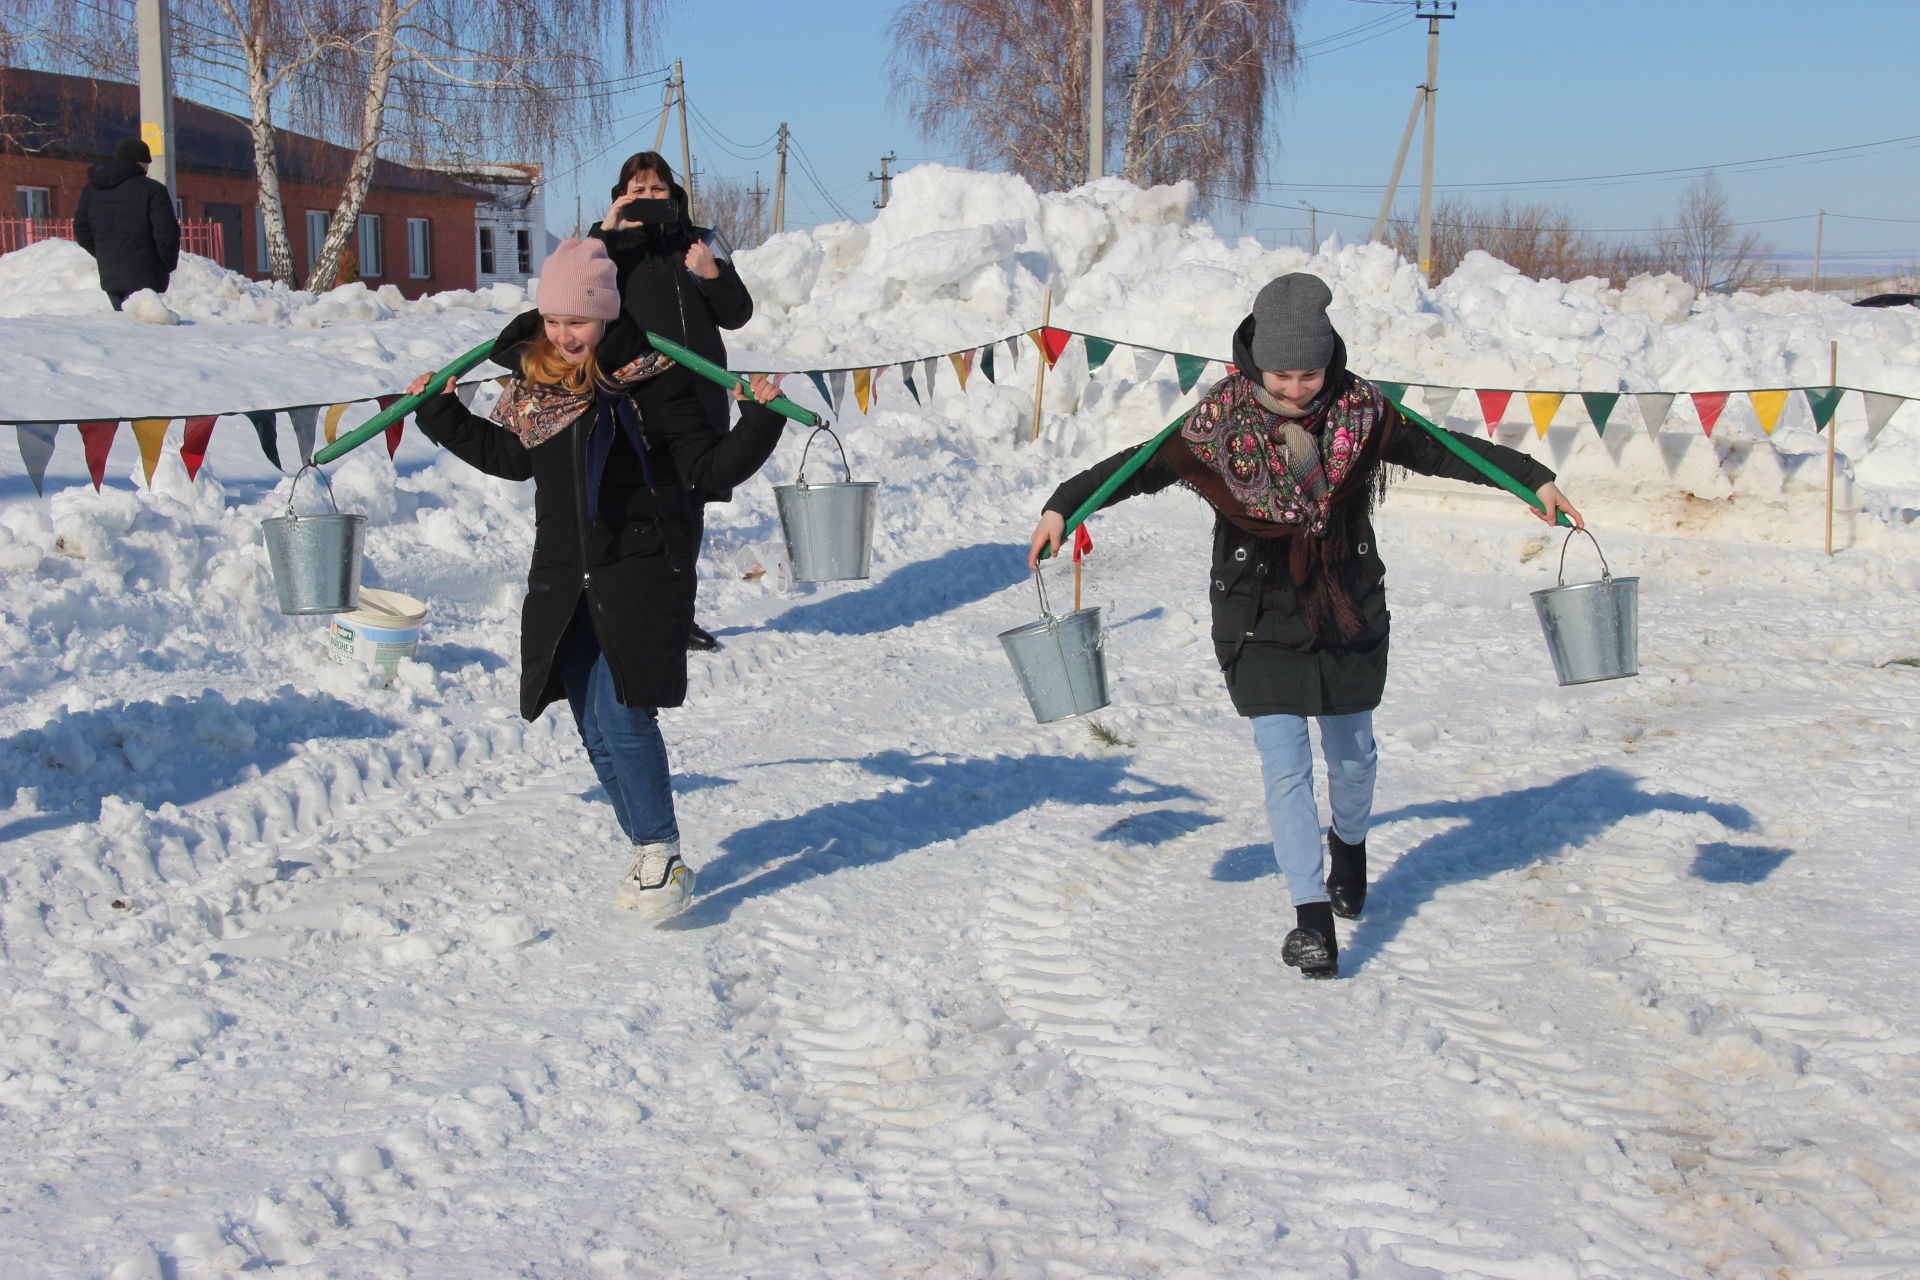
1767, 406
151, 433
1543, 405
332, 420
962, 365
863, 387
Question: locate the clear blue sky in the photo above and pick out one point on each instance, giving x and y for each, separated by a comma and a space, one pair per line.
1530, 90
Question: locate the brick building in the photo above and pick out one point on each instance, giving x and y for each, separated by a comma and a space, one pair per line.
416, 230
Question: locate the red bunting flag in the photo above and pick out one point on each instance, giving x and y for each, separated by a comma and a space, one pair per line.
1493, 407
1708, 405
193, 445
1051, 342
99, 441
394, 430
1082, 543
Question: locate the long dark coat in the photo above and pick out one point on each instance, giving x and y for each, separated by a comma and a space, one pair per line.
635, 563
1273, 663
125, 220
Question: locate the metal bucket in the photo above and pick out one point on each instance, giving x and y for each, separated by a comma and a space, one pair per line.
828, 527
1592, 628
1060, 661
315, 559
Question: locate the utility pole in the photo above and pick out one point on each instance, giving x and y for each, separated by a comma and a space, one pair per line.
156, 89
885, 180
686, 157
1097, 96
1424, 101
1819, 228
759, 225
780, 186
666, 107
1313, 228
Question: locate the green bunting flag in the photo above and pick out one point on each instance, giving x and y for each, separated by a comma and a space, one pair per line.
1098, 349
1190, 369
263, 426
1823, 401
820, 384
1600, 407
906, 376
1394, 391
986, 361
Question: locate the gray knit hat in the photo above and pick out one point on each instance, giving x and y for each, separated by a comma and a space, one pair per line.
1290, 325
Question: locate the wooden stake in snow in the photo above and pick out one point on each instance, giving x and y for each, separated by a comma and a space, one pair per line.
1833, 427
1040, 374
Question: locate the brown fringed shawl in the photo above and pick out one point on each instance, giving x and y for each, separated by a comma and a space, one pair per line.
1232, 451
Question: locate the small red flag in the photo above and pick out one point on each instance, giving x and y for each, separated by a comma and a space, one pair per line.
1052, 343
99, 442
1082, 543
193, 445
395, 428
1708, 405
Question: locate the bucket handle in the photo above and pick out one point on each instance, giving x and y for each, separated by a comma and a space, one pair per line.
1606, 574
800, 477
331, 501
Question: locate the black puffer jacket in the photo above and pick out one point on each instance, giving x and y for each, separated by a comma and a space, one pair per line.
1273, 663
635, 563
125, 220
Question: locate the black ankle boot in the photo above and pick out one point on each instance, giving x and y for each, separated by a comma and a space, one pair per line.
1311, 947
1346, 875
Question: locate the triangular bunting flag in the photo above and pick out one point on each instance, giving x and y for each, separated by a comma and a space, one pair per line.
464, 392
1190, 368
1145, 361
1654, 407
1394, 391
1051, 342
863, 387
1708, 405
1823, 401
98, 437
332, 419
927, 374
986, 361
1493, 407
1766, 407
1543, 405
151, 433
395, 428
1013, 350
36, 450
962, 365
304, 419
819, 381
1440, 402
906, 376
837, 383
193, 444
1600, 407
1880, 407
1098, 349
263, 426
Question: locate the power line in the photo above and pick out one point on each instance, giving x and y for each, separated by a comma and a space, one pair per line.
806, 166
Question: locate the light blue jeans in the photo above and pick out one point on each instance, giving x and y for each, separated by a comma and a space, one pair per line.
1286, 762
624, 743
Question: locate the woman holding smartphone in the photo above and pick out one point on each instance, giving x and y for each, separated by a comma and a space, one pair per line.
673, 282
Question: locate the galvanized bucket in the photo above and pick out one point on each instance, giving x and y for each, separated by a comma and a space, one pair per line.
1060, 661
315, 559
1592, 628
828, 527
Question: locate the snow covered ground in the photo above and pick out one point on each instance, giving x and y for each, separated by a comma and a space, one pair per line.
311, 973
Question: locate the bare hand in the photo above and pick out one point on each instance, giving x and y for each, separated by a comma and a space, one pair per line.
701, 262
614, 221
1552, 503
1047, 534
419, 384
764, 388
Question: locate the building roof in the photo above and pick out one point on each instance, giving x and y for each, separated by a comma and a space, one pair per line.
78, 118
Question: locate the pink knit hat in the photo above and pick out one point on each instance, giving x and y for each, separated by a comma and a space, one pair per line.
578, 280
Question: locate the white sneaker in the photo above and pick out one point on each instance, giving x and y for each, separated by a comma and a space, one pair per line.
658, 886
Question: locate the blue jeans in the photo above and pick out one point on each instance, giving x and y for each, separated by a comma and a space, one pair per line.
1286, 762
623, 742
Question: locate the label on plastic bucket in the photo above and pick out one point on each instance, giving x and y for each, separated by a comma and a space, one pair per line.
382, 631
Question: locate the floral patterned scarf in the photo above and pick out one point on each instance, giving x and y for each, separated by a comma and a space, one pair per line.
537, 411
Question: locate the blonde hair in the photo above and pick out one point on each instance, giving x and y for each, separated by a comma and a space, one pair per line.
544, 365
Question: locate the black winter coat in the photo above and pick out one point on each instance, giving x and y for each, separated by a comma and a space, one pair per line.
125, 220
1273, 663
635, 563
658, 291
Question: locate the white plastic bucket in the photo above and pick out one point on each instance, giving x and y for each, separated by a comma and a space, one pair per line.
1592, 628
382, 629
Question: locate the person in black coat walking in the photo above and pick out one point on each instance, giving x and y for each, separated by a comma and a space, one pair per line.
615, 443
1290, 451
676, 279
126, 221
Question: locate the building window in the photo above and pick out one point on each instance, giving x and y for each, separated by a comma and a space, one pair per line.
262, 261
486, 251
523, 251
33, 202
419, 248
317, 220
371, 263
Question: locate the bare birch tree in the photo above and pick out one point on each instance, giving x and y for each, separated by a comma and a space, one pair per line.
1188, 85
1705, 248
